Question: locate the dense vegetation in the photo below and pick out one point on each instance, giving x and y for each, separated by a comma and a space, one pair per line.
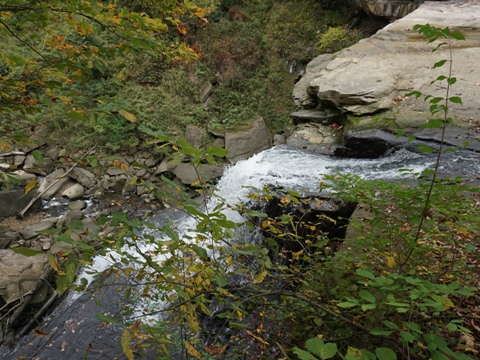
404, 284
80, 74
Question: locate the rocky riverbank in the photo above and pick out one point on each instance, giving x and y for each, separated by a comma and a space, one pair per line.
349, 104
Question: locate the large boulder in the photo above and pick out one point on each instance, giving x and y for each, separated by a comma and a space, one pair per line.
243, 144
19, 274
370, 79
13, 202
188, 174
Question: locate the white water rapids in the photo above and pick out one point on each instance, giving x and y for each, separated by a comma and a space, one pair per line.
299, 170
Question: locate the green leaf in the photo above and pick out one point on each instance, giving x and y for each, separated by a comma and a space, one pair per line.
75, 225
37, 156
366, 307
354, 354
382, 332
457, 35
407, 336
181, 293
439, 63
201, 252
346, 304
365, 273
75, 115
366, 295
417, 94
221, 280
438, 356
303, 355
440, 78
452, 80
107, 318
455, 100
314, 345
390, 325
328, 351
17, 60
385, 354
27, 251
436, 100
217, 151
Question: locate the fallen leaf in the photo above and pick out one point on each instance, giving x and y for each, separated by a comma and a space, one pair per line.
39, 333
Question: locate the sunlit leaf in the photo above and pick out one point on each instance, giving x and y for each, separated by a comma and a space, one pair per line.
125, 343
30, 186
260, 277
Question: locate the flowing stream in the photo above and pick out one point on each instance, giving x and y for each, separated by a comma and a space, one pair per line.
75, 331
300, 170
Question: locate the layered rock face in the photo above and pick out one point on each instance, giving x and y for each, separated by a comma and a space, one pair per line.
389, 8
369, 80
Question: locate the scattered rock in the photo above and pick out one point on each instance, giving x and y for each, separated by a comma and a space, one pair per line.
196, 136
53, 182
74, 192
83, 176
33, 230
7, 236
24, 177
77, 205
113, 170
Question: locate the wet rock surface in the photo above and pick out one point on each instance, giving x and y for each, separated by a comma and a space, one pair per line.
76, 331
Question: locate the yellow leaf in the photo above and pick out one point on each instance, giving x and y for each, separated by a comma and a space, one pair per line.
215, 350
127, 115
195, 183
52, 260
30, 186
4, 145
38, 332
260, 277
192, 351
391, 261
256, 337
296, 255
125, 342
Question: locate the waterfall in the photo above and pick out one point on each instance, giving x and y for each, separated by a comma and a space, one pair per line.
300, 170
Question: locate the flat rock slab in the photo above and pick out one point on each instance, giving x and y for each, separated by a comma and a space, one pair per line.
374, 75
318, 116
33, 230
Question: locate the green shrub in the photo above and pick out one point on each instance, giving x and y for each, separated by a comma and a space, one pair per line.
336, 39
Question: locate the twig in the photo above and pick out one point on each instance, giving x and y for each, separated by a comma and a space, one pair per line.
37, 315
12, 153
